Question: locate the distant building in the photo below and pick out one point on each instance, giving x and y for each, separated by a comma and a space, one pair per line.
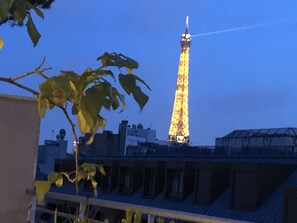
109, 144
198, 183
155, 149
51, 150
104, 143
209, 188
255, 141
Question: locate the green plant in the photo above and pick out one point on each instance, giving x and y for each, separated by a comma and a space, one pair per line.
87, 94
132, 216
160, 220
18, 12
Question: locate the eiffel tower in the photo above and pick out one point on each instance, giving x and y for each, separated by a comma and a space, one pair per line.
179, 125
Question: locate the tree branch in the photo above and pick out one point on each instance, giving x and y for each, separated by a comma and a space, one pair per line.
10, 81
75, 146
37, 70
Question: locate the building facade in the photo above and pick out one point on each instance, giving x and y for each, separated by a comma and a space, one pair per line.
257, 141
109, 144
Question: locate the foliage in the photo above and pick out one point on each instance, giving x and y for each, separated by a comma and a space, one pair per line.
132, 216
91, 91
87, 94
1, 42
41, 186
160, 220
86, 171
18, 12
78, 218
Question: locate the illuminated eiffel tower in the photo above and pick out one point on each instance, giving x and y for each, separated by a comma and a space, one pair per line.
179, 125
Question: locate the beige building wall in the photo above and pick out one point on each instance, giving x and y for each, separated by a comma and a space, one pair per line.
19, 133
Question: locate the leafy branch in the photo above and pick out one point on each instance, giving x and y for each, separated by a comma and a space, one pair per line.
88, 93
19, 12
37, 70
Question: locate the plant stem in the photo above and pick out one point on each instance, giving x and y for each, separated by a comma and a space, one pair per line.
76, 150
35, 71
10, 81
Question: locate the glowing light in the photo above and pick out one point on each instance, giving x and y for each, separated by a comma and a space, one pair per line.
179, 125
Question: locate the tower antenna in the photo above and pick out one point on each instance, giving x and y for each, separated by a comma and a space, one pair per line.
187, 24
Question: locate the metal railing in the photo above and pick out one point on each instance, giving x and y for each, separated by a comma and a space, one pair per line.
151, 212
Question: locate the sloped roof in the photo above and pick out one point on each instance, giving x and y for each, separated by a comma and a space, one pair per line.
270, 211
273, 132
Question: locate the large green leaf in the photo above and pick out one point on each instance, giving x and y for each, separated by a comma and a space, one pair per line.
63, 82
56, 89
42, 105
127, 82
59, 181
42, 187
56, 178
88, 120
104, 73
107, 60
20, 11
83, 125
37, 11
89, 109
73, 94
81, 176
131, 64
53, 177
71, 76
99, 123
114, 102
141, 81
87, 77
5, 6
90, 169
1, 42
124, 61
94, 99
33, 32
94, 184
101, 169
116, 96
118, 60
140, 97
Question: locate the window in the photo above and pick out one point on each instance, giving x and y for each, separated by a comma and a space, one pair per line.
107, 179
149, 181
175, 181
125, 179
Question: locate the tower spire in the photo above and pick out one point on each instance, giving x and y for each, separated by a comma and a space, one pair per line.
179, 125
187, 24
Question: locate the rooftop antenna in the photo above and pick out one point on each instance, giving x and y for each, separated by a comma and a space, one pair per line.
52, 133
187, 24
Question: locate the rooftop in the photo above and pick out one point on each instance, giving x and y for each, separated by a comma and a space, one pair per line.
273, 132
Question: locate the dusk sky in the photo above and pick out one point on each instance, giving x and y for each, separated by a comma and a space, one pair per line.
238, 80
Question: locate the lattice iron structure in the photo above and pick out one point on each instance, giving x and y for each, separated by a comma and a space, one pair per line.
179, 125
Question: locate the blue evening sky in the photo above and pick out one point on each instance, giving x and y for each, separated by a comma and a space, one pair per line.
238, 80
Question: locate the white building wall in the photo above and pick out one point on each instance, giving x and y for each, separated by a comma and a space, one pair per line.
136, 134
19, 134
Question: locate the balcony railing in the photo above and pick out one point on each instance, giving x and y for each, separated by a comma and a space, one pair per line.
151, 212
